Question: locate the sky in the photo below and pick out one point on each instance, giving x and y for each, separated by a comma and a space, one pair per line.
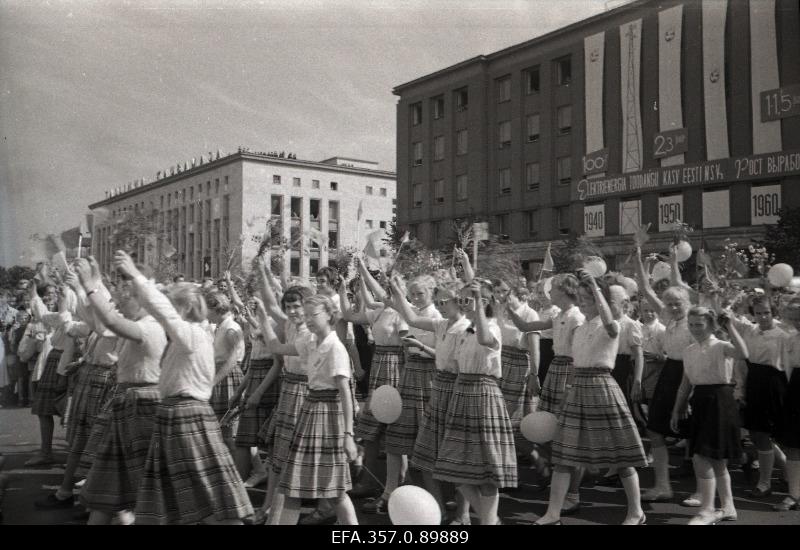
96, 94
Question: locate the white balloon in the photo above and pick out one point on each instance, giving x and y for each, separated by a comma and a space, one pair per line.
386, 404
630, 285
780, 275
412, 505
539, 426
684, 251
595, 266
660, 271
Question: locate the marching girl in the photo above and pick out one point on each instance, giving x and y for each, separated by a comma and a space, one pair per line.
316, 466
595, 427
765, 387
228, 355
173, 489
546, 311
673, 306
113, 479
630, 359
714, 432
652, 347
477, 447
789, 435
388, 328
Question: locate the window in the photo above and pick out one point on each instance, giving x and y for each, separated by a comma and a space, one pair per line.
225, 186
505, 181
334, 186
208, 187
369, 224
504, 134
277, 205
461, 187
333, 211
630, 216
438, 107
501, 222
191, 193
296, 182
532, 176
564, 115
416, 113
462, 142
438, 190
369, 190
564, 71
383, 191
534, 127
532, 80
564, 167
530, 222
314, 184
562, 213
417, 191
462, 99
216, 186
502, 89
417, 147
382, 225
435, 231
438, 148
276, 180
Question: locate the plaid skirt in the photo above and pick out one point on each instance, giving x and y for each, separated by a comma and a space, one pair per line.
221, 395
478, 443
415, 393
659, 409
789, 435
252, 419
277, 433
516, 366
387, 363
546, 356
100, 426
714, 429
189, 474
431, 430
51, 386
91, 393
316, 466
554, 385
765, 395
113, 479
596, 428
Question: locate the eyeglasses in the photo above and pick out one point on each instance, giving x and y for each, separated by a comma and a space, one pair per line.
442, 302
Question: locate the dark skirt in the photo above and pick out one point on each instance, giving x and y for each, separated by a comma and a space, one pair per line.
221, 395
113, 480
477, 447
714, 428
790, 432
189, 474
659, 409
387, 365
317, 465
51, 386
516, 367
765, 394
550, 400
415, 393
252, 419
91, 393
277, 432
652, 371
546, 356
623, 374
101, 424
595, 428
431, 431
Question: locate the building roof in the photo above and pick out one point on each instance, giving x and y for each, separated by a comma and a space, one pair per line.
630, 6
246, 156
334, 159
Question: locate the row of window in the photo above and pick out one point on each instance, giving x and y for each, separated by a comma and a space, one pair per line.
179, 195
371, 191
296, 182
531, 82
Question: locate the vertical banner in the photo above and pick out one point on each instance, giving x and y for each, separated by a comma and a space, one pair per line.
716, 209
714, 17
670, 110
763, 73
593, 51
630, 56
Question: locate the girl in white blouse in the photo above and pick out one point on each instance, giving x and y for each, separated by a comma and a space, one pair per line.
714, 433
789, 434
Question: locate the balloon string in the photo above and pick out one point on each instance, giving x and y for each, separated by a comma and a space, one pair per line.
373, 477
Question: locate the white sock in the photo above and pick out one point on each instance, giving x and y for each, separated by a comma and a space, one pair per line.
725, 493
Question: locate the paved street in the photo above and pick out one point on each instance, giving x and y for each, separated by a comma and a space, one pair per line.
19, 435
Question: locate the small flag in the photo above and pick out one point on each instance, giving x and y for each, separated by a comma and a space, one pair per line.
405, 238
84, 228
316, 236
548, 264
740, 267
168, 250
480, 231
373, 248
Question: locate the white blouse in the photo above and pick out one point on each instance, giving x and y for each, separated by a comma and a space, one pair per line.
325, 361
294, 333
427, 338
386, 326
630, 335
593, 347
564, 325
653, 337
677, 338
447, 340
140, 362
545, 315
790, 351
512, 336
705, 363
763, 346
221, 350
473, 358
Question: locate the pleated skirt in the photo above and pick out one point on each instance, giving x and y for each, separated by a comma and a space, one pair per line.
51, 386
277, 433
546, 356
714, 428
554, 385
765, 395
516, 366
252, 419
415, 393
659, 409
221, 395
387, 365
91, 392
431, 431
790, 427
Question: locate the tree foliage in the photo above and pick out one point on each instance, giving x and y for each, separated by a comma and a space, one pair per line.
784, 238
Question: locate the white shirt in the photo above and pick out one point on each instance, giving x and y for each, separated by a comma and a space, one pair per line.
545, 315
292, 363
705, 363
677, 338
325, 360
790, 351
564, 325
630, 335
763, 346
446, 343
427, 338
473, 358
593, 347
386, 326
140, 362
188, 363
221, 350
653, 337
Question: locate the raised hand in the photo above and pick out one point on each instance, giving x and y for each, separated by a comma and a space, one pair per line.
124, 264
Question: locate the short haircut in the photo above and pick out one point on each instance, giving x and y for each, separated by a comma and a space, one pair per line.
296, 294
568, 284
178, 276
423, 282
218, 302
618, 292
330, 273
677, 292
318, 300
762, 300
601, 284
706, 313
189, 297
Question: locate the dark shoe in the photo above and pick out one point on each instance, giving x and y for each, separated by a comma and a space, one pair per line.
52, 502
361, 490
758, 492
375, 506
786, 505
318, 518
556, 522
608, 481
571, 509
40, 460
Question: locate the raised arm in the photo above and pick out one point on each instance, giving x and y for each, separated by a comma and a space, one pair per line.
482, 332
462, 257
606, 317
235, 300
370, 281
400, 304
736, 348
675, 278
348, 313
271, 341
528, 326
644, 282
268, 292
91, 281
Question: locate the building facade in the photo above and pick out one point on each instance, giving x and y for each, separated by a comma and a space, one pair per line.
655, 112
218, 210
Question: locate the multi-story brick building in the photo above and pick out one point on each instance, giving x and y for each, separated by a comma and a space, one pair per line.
203, 209
653, 112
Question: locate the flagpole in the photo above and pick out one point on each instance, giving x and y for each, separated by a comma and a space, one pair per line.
80, 244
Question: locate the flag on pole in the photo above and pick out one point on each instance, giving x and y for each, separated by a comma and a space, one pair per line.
547, 264
480, 231
373, 248
168, 250
406, 237
316, 236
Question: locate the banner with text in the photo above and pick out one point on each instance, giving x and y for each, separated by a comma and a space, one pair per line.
666, 179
